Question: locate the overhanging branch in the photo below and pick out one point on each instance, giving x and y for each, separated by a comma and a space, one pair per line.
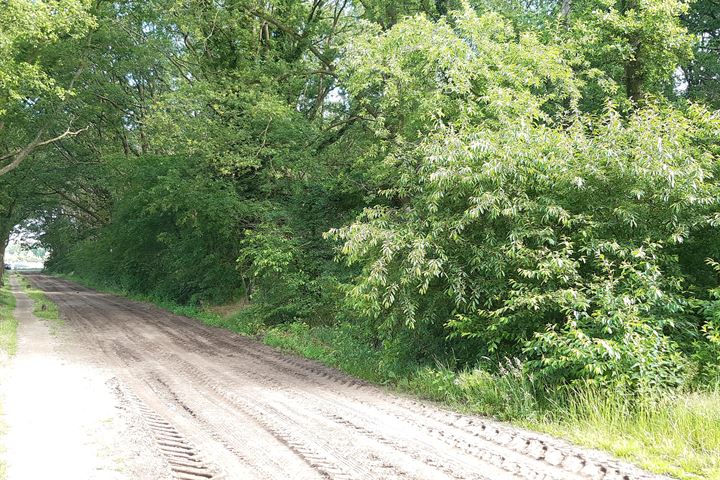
21, 154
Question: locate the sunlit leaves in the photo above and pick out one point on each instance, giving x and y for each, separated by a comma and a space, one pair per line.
543, 238
25, 28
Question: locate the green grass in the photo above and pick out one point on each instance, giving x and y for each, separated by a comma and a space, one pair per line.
8, 324
43, 307
677, 435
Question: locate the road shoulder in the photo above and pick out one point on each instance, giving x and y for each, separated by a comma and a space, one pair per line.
62, 416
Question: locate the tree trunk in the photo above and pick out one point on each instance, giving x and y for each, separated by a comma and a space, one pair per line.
634, 75
6, 227
3, 246
442, 7
565, 9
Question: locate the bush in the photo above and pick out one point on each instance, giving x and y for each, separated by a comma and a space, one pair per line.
557, 238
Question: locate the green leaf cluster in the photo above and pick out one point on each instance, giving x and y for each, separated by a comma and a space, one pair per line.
456, 181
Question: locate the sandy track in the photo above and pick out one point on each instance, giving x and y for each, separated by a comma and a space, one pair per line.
61, 413
219, 405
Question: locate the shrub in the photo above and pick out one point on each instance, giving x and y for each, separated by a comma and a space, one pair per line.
548, 236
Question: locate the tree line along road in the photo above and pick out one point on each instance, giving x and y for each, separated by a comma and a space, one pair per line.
207, 403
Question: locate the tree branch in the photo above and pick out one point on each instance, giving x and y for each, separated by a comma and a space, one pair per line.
21, 154
290, 31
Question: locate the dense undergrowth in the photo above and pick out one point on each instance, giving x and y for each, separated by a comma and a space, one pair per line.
676, 433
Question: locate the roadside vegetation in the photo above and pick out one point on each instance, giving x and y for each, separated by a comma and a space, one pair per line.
512, 207
8, 324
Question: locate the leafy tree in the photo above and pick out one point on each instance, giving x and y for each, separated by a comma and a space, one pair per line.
502, 178
703, 73
27, 29
540, 235
628, 49
388, 13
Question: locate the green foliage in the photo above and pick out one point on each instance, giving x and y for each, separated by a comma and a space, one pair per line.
173, 234
409, 182
388, 13
523, 187
628, 49
555, 242
707, 349
421, 73
26, 27
541, 235
702, 74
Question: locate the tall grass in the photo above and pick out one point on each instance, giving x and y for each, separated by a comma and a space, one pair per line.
676, 434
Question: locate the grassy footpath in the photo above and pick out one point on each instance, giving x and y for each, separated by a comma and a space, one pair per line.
678, 435
43, 308
8, 345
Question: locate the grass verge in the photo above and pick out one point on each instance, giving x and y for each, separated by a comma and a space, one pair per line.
8, 346
8, 324
677, 435
43, 307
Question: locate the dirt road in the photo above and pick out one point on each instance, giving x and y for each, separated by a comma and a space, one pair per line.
219, 405
60, 418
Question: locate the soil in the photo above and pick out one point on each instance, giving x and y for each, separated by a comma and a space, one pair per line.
126, 390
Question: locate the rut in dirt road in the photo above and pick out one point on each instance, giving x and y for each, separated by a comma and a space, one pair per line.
219, 405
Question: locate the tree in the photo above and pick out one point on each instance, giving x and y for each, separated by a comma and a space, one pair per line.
702, 74
628, 49
516, 228
27, 30
388, 13
503, 178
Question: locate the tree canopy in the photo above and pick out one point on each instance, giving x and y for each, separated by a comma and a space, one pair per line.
464, 181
